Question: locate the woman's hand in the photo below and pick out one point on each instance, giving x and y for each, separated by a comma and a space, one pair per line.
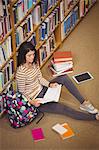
35, 102
53, 85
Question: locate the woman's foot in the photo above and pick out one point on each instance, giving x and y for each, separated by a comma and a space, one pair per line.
87, 106
97, 116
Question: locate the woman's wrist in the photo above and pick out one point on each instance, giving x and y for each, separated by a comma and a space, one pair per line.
31, 101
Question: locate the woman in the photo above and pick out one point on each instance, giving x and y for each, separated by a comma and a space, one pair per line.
32, 84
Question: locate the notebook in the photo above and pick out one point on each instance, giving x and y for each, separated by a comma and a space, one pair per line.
37, 134
52, 94
59, 129
69, 133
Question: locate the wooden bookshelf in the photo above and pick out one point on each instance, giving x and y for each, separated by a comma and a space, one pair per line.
56, 34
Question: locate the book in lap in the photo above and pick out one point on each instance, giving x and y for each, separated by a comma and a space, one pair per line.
52, 95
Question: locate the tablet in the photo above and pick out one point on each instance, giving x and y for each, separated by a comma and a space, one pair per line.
82, 77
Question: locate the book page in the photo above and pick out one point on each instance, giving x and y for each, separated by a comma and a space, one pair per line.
52, 94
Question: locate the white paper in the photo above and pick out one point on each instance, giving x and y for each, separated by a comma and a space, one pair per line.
58, 128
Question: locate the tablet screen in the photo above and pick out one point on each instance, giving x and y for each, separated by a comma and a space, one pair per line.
82, 77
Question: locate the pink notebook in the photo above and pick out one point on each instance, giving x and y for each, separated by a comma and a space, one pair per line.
37, 134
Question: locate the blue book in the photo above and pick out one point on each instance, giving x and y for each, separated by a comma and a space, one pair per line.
73, 20
34, 1
33, 39
68, 21
44, 6
30, 3
43, 27
65, 27
1, 81
17, 39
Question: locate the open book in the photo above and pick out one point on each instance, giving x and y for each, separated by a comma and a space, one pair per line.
52, 94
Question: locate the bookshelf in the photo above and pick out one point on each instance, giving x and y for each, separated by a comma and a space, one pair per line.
46, 23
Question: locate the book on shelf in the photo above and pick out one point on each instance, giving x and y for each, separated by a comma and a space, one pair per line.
6, 74
20, 10
37, 134
65, 5
33, 39
81, 8
5, 49
1, 9
61, 56
62, 10
46, 48
1, 81
42, 54
30, 23
64, 130
36, 15
2, 55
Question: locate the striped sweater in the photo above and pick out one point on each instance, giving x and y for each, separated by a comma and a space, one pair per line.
30, 81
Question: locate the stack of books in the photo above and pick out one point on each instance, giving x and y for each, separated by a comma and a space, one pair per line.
64, 130
61, 63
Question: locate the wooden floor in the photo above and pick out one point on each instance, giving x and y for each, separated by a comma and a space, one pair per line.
84, 44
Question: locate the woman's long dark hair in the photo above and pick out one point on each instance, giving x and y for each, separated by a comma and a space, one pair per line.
23, 50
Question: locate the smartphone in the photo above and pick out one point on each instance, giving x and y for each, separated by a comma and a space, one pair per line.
82, 77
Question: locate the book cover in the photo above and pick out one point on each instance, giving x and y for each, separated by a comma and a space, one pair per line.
62, 11
1, 81
62, 56
69, 133
36, 15
59, 129
38, 134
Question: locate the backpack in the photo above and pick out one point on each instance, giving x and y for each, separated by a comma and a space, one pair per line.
20, 111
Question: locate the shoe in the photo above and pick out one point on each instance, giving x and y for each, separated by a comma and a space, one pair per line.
97, 116
87, 106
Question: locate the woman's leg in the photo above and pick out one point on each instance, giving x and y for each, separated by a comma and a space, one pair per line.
66, 81
62, 109
59, 108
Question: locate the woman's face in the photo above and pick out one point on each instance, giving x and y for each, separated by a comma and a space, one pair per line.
30, 57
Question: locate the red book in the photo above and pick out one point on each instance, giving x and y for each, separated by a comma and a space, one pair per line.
61, 56
38, 134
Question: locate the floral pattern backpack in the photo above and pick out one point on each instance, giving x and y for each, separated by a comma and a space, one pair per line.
19, 110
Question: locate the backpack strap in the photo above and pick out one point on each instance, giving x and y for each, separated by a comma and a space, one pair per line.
40, 112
